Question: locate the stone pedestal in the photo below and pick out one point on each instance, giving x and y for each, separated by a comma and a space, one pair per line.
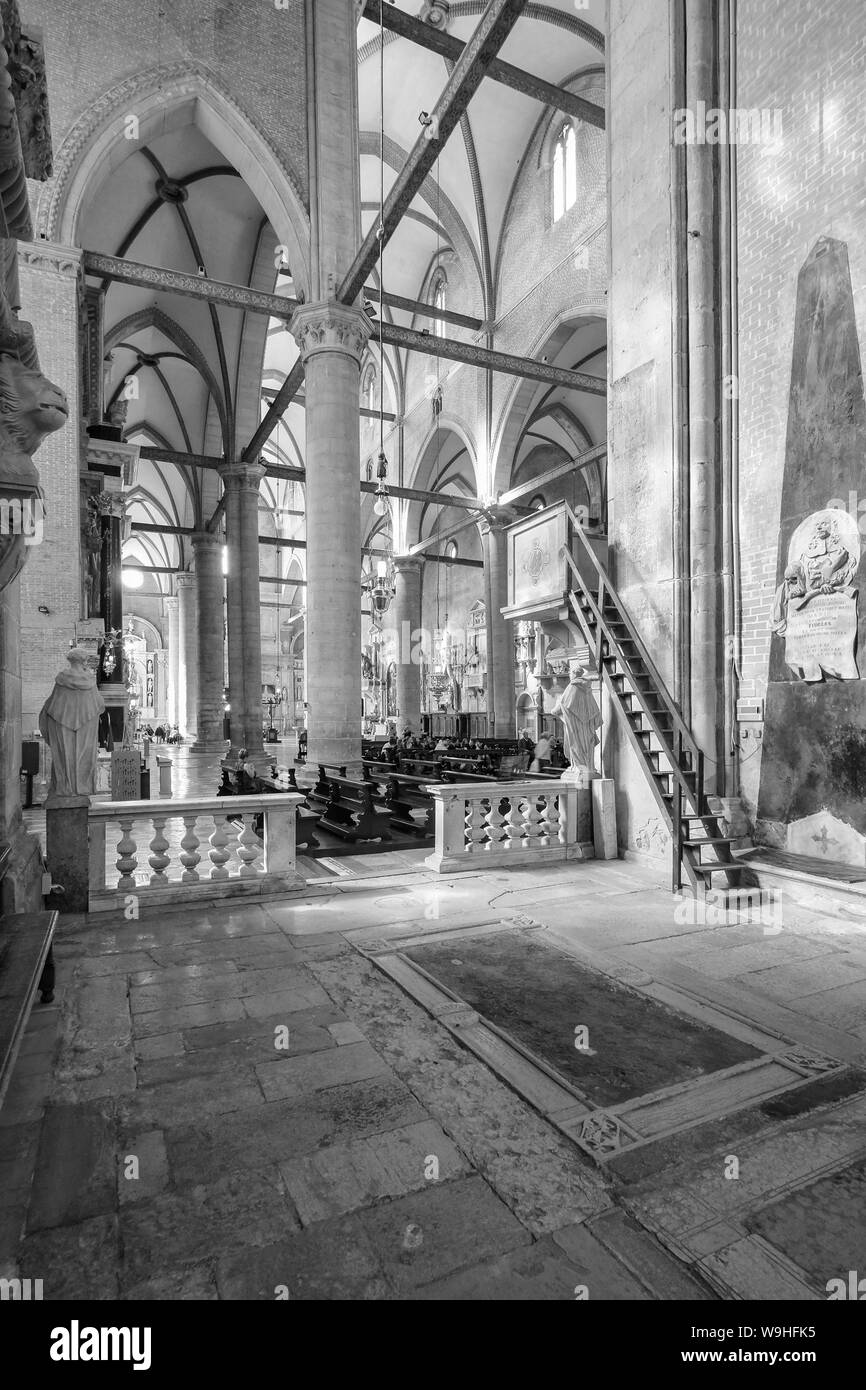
332, 338
211, 665
407, 619
604, 817
67, 850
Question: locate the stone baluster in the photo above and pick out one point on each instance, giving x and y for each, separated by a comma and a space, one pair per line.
249, 847
127, 859
159, 860
218, 853
190, 856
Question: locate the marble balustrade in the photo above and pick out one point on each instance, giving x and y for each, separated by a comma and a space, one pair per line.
479, 824
212, 858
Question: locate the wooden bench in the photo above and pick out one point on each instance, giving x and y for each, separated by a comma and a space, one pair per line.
305, 819
426, 768
26, 965
351, 813
453, 774
404, 794
375, 768
320, 794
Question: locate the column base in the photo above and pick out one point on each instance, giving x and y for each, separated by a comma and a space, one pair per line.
210, 745
334, 750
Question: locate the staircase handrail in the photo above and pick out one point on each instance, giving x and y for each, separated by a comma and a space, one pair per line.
661, 687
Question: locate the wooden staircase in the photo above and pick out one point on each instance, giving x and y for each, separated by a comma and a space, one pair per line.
702, 859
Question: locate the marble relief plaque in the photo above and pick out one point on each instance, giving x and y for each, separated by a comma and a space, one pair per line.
815, 608
536, 570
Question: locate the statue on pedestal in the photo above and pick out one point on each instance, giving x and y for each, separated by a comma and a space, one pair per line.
69, 723
580, 716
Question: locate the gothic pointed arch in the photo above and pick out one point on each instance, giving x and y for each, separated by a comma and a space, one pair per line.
161, 99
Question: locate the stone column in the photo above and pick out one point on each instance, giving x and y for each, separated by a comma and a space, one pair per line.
234, 606
704, 400
188, 654
173, 708
207, 549
241, 481
407, 619
248, 481
500, 639
111, 510
332, 338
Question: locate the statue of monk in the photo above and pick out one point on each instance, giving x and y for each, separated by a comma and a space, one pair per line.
580, 716
69, 723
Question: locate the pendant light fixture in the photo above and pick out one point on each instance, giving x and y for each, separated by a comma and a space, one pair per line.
382, 504
382, 587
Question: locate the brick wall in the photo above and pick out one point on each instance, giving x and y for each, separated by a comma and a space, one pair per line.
255, 50
792, 56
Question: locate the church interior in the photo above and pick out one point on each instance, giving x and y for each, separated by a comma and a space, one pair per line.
432, 758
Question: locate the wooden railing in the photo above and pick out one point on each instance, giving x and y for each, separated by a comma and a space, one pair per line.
481, 824
161, 849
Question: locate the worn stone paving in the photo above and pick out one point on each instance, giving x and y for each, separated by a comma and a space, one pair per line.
238, 1103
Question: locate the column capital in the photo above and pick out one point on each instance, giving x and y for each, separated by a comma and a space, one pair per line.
171, 602
206, 540
111, 504
408, 564
185, 580
496, 518
330, 327
242, 475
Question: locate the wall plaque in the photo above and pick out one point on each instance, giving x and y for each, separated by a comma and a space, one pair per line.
815, 608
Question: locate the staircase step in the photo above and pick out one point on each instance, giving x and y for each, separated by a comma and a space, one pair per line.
707, 870
711, 840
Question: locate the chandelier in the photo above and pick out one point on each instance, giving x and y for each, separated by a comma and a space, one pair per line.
382, 588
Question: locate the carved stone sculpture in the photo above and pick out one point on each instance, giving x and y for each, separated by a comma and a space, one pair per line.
579, 713
30, 408
815, 606
69, 723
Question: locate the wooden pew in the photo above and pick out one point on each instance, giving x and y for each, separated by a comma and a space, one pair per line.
351, 813
426, 768
320, 794
404, 794
305, 819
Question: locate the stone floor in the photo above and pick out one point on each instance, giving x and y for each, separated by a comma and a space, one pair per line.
244, 1102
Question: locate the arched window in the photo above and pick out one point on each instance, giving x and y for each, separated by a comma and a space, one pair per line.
564, 171
437, 299
451, 550
368, 391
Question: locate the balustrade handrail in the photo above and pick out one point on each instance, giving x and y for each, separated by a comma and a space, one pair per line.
200, 805
480, 790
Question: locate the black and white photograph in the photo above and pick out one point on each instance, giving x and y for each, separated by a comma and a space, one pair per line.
432, 674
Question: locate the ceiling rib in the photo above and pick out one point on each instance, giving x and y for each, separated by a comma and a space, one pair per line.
416, 31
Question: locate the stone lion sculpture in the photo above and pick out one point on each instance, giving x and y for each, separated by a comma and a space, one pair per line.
30, 408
